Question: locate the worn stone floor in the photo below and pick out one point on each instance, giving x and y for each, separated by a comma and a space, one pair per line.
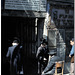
30, 68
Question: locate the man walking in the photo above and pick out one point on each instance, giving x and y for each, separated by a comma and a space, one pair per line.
41, 55
71, 55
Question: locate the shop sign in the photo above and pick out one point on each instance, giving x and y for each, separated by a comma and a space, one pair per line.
34, 5
62, 17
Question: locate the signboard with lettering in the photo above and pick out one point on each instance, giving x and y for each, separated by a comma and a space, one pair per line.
35, 5
62, 17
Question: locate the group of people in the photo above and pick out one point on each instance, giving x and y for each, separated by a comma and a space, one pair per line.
46, 58
43, 54
49, 67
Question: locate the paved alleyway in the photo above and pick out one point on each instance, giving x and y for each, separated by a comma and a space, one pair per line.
66, 74
66, 68
31, 67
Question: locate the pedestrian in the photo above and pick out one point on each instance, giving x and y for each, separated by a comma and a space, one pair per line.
50, 68
14, 57
71, 55
41, 56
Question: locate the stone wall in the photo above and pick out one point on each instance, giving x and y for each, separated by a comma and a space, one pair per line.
62, 22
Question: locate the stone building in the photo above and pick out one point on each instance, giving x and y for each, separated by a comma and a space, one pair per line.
30, 20
59, 26
23, 21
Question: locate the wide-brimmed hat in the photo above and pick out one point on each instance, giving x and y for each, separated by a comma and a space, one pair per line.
52, 52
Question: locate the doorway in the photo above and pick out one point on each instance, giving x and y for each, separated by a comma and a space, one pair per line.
24, 29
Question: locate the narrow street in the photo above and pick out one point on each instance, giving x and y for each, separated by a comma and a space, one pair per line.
33, 20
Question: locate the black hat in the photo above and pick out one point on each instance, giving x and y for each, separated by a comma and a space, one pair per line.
15, 41
72, 39
43, 41
52, 52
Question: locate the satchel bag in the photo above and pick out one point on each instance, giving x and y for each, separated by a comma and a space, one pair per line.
72, 59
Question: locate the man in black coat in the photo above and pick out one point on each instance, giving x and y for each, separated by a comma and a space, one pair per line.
14, 57
50, 68
42, 54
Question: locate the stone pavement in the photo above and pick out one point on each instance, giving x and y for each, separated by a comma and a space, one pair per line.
66, 74
66, 68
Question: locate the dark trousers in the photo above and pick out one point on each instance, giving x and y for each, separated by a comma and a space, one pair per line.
12, 70
41, 66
